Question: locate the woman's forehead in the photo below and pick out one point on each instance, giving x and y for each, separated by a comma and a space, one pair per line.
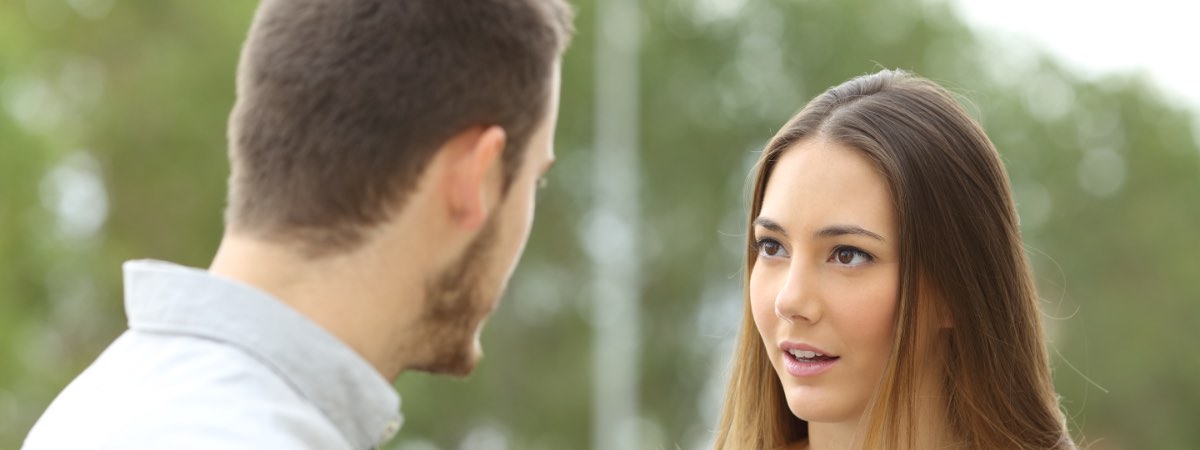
816, 183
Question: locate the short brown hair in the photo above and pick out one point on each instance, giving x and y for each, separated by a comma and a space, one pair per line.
342, 103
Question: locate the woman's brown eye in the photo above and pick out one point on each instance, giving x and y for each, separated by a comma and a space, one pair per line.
849, 256
770, 248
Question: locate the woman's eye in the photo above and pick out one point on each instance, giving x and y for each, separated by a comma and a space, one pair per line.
849, 256
770, 248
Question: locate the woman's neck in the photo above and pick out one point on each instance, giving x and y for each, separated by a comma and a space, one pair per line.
930, 434
831, 435
931, 426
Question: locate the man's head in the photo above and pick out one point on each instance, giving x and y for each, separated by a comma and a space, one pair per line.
356, 116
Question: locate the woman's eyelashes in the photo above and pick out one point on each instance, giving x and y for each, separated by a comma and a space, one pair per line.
843, 255
849, 256
770, 248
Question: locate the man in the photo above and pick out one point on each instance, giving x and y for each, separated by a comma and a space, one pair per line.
385, 158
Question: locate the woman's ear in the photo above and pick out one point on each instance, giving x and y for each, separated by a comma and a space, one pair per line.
945, 318
938, 306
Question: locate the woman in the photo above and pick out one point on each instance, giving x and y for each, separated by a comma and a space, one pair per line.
889, 300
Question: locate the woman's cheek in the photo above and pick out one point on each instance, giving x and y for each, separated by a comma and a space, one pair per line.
762, 304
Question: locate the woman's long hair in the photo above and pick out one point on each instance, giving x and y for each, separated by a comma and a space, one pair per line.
966, 294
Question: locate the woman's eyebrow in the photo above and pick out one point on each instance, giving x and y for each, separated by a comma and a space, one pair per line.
827, 232
770, 225
842, 230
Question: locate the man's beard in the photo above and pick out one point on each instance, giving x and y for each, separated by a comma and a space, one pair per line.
455, 304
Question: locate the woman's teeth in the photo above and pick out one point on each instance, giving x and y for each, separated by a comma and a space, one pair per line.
805, 354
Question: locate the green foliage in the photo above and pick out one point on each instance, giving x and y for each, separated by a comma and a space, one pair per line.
1105, 172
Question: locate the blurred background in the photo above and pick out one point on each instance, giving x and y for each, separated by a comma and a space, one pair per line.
617, 328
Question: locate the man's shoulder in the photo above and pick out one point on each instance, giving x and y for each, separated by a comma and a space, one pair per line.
147, 390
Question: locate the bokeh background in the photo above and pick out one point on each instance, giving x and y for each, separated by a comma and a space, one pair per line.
617, 328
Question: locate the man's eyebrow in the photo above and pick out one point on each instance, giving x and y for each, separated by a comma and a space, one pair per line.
770, 225
842, 230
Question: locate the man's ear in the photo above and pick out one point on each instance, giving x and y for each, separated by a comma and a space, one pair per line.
473, 167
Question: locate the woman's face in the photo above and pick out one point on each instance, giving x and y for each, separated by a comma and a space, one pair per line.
824, 286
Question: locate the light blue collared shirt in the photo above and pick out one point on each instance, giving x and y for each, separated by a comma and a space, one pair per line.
211, 363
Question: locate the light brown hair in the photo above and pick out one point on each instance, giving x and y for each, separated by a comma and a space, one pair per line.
342, 104
962, 263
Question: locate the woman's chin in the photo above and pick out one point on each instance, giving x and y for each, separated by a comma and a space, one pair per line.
812, 409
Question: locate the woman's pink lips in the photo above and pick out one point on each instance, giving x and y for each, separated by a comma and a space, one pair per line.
799, 368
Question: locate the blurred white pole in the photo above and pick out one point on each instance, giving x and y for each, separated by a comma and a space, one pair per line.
613, 230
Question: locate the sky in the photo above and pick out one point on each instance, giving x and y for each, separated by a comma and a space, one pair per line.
1096, 37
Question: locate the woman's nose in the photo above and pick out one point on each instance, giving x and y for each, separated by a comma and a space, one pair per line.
798, 299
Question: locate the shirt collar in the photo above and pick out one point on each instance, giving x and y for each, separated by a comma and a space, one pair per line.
168, 298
